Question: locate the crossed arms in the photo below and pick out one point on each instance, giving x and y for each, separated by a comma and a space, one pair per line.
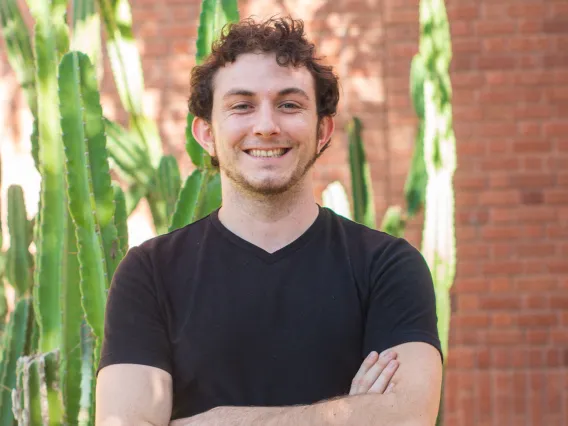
130, 394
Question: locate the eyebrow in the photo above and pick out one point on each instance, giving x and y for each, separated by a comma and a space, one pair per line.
283, 92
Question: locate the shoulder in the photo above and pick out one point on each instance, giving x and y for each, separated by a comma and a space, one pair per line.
165, 248
381, 253
371, 242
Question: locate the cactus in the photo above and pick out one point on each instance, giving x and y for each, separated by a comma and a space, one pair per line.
49, 262
120, 217
13, 344
80, 230
18, 258
84, 141
363, 202
70, 360
34, 399
167, 184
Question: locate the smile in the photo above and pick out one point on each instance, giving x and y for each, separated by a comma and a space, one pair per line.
267, 153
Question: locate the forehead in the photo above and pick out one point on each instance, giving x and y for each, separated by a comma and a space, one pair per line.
261, 74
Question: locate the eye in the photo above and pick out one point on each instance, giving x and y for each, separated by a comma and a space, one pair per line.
289, 105
241, 107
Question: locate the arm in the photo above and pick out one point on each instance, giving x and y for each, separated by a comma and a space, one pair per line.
129, 394
414, 401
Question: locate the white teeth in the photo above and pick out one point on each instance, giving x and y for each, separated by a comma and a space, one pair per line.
267, 153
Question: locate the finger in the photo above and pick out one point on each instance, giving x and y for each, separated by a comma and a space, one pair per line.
365, 383
367, 363
384, 380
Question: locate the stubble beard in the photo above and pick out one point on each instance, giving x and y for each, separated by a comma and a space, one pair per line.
270, 187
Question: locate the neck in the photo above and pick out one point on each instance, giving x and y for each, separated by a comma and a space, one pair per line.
269, 222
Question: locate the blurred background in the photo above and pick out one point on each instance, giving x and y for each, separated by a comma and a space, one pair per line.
508, 340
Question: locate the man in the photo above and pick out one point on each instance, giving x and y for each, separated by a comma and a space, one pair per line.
272, 310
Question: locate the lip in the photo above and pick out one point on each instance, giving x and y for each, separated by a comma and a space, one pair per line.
268, 158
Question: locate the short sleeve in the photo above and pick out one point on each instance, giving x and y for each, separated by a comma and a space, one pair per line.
402, 302
134, 331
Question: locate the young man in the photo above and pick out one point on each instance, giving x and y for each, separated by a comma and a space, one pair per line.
272, 310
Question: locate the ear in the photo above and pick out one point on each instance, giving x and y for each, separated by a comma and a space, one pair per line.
326, 129
203, 134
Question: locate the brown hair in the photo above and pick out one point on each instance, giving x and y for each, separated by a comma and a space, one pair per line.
283, 36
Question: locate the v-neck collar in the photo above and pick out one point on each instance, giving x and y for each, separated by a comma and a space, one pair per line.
279, 254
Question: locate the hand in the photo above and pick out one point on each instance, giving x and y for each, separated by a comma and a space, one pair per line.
375, 374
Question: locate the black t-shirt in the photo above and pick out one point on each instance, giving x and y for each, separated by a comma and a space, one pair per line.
236, 325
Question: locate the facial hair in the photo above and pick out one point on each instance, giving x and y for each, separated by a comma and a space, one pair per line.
267, 189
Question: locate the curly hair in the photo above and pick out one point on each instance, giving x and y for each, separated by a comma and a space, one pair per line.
285, 38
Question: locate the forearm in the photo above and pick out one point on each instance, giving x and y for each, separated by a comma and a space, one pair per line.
361, 410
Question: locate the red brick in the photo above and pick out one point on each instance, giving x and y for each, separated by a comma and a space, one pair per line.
526, 10
500, 232
555, 26
499, 198
535, 284
529, 26
487, 27
537, 337
536, 250
531, 145
535, 301
532, 197
533, 180
499, 302
458, 12
537, 320
504, 337
496, 62
556, 196
502, 319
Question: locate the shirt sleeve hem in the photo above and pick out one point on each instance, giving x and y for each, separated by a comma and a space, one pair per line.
401, 338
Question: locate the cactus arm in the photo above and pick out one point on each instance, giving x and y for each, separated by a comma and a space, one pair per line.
120, 221
70, 365
362, 189
163, 193
18, 268
187, 201
13, 344
74, 113
52, 218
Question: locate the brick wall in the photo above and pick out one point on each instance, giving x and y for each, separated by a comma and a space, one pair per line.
508, 361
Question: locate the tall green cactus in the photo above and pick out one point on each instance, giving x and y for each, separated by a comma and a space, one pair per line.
81, 121
52, 222
361, 183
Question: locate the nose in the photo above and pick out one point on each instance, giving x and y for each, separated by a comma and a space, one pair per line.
265, 122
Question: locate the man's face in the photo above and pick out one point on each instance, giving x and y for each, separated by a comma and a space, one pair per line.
264, 124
